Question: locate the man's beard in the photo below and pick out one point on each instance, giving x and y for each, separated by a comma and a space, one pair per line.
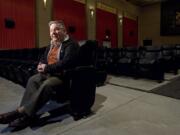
55, 42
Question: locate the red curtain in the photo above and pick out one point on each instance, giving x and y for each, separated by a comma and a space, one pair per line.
130, 32
74, 16
106, 27
17, 24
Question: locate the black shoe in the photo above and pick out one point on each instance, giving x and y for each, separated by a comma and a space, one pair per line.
20, 123
6, 118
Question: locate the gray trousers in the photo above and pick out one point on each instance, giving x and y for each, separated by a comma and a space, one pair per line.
39, 89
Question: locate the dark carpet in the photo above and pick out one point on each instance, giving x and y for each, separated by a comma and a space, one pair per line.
171, 89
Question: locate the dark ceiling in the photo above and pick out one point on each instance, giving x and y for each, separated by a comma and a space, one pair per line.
144, 2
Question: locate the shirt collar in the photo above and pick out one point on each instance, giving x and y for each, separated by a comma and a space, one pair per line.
66, 38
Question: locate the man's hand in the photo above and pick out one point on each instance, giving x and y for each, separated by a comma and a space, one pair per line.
41, 67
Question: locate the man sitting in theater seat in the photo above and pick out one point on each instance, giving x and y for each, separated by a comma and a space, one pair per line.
61, 54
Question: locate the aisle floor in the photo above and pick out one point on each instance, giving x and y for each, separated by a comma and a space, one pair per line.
117, 111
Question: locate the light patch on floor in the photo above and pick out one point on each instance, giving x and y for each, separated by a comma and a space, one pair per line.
141, 84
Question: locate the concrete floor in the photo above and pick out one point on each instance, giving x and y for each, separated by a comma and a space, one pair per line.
117, 111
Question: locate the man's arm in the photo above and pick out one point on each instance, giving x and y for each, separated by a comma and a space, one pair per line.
43, 61
43, 58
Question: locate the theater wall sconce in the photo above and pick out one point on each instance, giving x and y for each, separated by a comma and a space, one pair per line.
91, 12
45, 3
120, 19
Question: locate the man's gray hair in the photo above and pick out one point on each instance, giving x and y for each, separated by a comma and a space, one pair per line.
60, 23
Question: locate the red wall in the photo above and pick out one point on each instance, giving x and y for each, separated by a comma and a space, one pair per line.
23, 14
106, 21
73, 14
130, 32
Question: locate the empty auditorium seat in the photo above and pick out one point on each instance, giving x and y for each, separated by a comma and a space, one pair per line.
168, 55
150, 63
127, 63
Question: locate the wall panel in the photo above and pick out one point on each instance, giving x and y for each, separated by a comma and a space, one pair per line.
130, 32
17, 24
106, 27
74, 16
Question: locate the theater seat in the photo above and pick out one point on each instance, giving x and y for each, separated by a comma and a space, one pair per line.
81, 82
127, 63
150, 64
168, 55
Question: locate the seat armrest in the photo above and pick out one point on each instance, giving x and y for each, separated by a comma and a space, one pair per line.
69, 72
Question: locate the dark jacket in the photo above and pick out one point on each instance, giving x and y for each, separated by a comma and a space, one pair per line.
67, 57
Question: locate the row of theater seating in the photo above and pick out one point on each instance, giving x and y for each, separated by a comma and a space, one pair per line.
19, 64
150, 61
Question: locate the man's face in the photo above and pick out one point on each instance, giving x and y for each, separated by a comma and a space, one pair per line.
57, 34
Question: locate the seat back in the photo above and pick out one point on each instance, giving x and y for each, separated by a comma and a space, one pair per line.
83, 79
168, 52
177, 50
87, 53
130, 52
152, 53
